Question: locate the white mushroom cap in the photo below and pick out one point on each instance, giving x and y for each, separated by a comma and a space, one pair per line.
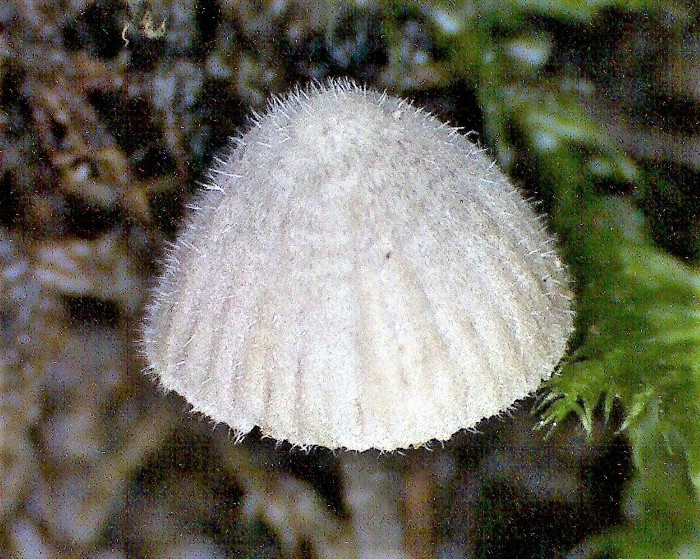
357, 275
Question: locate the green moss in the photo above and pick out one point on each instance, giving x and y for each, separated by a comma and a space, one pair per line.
638, 335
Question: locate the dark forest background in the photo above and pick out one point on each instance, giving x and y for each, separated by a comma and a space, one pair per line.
110, 114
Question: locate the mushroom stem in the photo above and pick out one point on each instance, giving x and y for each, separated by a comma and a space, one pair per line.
419, 488
372, 495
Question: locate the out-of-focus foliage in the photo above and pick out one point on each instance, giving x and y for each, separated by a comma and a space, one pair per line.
107, 123
638, 306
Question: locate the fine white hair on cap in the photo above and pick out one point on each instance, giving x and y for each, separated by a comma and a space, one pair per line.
357, 275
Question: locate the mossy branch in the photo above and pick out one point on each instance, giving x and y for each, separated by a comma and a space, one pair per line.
638, 325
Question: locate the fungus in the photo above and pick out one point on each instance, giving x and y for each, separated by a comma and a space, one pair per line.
357, 275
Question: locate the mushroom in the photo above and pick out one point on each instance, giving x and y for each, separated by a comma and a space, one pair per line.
357, 275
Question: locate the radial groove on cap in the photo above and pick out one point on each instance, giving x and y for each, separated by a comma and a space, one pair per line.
357, 275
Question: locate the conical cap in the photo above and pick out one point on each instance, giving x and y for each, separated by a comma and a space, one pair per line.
357, 275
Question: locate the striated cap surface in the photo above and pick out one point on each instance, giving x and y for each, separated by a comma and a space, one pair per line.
357, 275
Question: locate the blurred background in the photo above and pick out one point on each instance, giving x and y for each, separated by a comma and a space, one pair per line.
110, 114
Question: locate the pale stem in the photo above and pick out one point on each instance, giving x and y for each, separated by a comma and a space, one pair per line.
373, 495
